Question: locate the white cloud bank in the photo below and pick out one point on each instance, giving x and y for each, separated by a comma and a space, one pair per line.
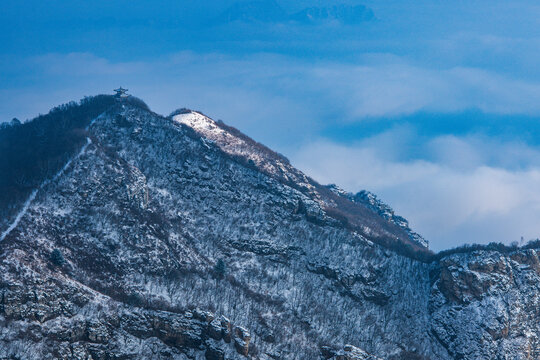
382, 86
448, 203
399, 88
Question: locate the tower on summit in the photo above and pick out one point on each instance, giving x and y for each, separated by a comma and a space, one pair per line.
121, 93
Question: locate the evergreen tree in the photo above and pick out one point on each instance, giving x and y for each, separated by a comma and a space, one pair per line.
220, 269
57, 258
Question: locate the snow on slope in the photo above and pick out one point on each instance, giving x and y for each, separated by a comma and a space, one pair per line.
293, 283
34, 193
235, 145
19, 215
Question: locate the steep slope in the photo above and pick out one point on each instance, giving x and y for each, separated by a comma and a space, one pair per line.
355, 214
32, 152
485, 304
373, 203
118, 258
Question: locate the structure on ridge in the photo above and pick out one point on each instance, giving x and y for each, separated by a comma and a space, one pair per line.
121, 93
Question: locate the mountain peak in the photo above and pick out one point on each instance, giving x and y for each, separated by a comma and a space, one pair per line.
345, 14
259, 11
235, 143
183, 237
205, 126
271, 12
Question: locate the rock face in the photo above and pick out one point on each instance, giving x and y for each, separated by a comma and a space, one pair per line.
491, 298
145, 210
348, 352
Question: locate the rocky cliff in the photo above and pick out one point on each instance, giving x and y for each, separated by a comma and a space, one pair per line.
181, 238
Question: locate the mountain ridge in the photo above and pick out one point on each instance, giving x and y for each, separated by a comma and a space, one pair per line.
279, 166
269, 11
118, 257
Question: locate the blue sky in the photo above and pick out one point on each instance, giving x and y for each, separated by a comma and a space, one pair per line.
433, 105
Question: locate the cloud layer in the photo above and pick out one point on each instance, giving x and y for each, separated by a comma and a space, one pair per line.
451, 198
381, 86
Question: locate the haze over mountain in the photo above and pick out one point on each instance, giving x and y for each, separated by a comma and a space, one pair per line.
127, 234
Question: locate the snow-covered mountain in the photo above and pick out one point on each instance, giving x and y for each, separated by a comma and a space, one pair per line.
129, 235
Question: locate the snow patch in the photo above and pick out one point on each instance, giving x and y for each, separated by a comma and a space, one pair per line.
234, 145
19, 215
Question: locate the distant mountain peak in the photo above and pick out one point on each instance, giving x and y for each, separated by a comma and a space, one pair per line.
270, 11
253, 11
345, 14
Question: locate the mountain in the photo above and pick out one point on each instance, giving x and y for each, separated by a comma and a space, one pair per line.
345, 14
253, 11
269, 11
130, 235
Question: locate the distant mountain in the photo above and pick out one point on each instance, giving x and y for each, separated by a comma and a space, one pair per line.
253, 11
125, 234
270, 11
345, 14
